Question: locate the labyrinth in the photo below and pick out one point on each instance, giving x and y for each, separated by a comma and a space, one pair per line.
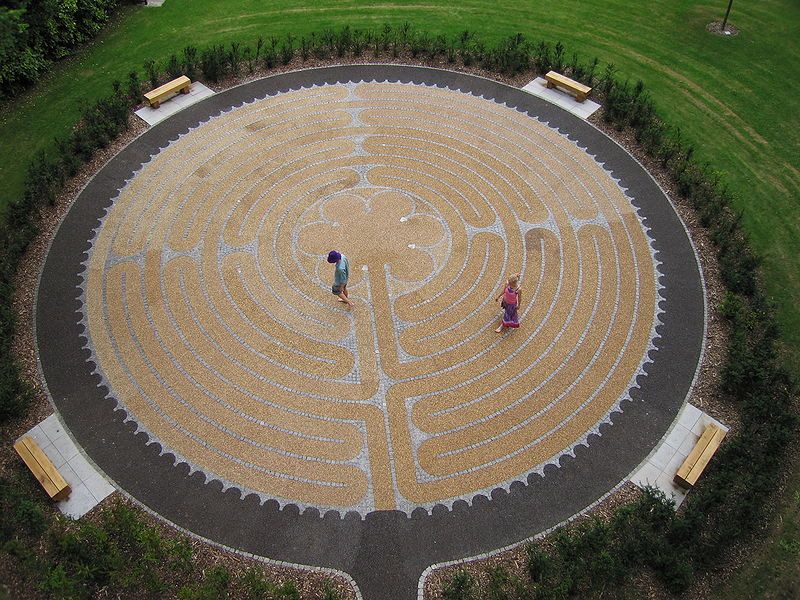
209, 317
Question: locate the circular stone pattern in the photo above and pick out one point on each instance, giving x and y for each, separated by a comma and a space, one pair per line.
209, 314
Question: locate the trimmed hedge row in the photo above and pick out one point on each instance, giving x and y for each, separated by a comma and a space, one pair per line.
726, 507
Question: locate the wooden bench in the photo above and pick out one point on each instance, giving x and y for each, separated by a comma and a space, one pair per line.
698, 458
42, 468
181, 84
556, 79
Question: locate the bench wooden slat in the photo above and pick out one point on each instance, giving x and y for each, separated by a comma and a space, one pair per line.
42, 468
181, 84
557, 79
699, 457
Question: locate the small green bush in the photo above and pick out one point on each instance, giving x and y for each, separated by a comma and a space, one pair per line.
214, 62
235, 58
174, 67
214, 586
329, 593
191, 62
151, 70
459, 587
287, 49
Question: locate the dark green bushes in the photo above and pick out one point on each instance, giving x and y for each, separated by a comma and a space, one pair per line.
120, 553
100, 123
37, 32
459, 587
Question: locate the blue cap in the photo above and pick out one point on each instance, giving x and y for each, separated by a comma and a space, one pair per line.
334, 256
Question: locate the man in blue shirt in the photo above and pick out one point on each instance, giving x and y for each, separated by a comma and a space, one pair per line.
340, 276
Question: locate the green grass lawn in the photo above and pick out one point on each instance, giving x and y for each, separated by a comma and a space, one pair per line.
775, 572
735, 98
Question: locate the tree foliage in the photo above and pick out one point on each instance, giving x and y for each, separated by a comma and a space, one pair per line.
33, 33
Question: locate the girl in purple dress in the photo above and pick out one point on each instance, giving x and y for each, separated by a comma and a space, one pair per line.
511, 296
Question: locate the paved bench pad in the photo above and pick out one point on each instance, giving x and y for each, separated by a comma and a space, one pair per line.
203, 300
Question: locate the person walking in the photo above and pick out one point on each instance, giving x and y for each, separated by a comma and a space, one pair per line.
340, 276
511, 295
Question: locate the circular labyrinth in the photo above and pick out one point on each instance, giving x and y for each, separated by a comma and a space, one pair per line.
209, 316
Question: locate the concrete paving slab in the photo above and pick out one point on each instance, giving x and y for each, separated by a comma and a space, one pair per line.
89, 486
688, 417
647, 475
39, 436
52, 427
665, 460
177, 103
538, 87
52, 452
80, 502
98, 486
66, 447
665, 483
677, 435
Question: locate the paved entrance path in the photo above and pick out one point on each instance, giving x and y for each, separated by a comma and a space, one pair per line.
402, 432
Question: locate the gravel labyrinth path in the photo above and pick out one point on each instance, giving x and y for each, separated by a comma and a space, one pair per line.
205, 306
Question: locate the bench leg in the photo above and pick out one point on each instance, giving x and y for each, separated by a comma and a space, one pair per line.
185, 90
550, 85
155, 104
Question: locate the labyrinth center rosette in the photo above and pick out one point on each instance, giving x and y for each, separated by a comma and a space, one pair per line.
210, 318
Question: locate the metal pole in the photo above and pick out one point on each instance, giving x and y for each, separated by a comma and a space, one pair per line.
727, 12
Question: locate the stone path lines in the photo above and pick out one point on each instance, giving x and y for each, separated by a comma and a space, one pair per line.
211, 374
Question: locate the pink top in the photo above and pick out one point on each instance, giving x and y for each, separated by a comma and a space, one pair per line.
510, 295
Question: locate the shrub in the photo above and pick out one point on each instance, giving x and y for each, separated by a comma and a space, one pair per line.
213, 586
287, 49
511, 55
214, 62
151, 70
419, 43
328, 593
360, 41
271, 53
341, 41
235, 58
558, 57
451, 52
247, 56
30, 516
542, 59
386, 37
459, 587
134, 87
174, 67
305, 48
326, 43
43, 179
190, 62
